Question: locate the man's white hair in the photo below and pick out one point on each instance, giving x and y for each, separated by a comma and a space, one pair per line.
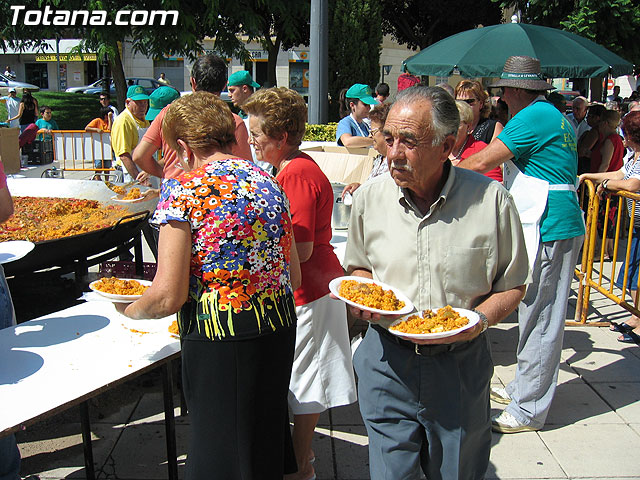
445, 118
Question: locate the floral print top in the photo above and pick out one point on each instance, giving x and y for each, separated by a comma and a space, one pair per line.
241, 241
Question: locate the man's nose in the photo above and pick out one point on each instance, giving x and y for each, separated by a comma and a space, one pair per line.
395, 151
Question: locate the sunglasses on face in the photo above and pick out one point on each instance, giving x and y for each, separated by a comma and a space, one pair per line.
469, 101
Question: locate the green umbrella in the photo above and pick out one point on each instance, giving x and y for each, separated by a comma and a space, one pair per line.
481, 52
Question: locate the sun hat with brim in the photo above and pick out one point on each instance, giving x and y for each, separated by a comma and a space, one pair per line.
361, 92
160, 98
522, 72
242, 78
136, 92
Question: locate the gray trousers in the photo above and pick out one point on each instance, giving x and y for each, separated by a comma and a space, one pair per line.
541, 318
428, 413
7, 313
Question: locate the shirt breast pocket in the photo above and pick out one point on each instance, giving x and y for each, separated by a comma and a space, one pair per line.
466, 274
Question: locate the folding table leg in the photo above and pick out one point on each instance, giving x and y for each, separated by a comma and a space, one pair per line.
137, 254
169, 421
86, 441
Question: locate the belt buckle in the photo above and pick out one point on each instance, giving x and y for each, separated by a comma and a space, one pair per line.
433, 350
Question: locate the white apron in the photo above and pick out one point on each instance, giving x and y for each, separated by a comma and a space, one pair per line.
530, 195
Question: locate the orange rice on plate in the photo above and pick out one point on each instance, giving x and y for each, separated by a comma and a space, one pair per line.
445, 320
370, 295
118, 286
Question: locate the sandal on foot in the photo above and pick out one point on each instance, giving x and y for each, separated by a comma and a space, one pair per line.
630, 337
620, 327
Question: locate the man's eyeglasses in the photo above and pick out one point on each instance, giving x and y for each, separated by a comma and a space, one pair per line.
373, 131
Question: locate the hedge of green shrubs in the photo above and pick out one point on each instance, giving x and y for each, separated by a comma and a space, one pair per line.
321, 133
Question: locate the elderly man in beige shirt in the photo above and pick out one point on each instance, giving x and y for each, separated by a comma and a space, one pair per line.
442, 235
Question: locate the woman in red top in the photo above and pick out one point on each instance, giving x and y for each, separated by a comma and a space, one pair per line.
608, 157
322, 375
466, 145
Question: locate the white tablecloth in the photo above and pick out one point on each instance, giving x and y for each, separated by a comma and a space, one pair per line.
55, 360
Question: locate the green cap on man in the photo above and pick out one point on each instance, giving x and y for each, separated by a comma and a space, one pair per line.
242, 78
137, 92
160, 98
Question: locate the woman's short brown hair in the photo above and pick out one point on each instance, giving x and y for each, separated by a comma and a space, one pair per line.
280, 110
631, 126
202, 121
475, 88
379, 113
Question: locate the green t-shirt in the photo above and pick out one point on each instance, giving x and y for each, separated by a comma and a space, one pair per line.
543, 144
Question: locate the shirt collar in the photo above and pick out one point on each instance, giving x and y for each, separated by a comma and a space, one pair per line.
405, 198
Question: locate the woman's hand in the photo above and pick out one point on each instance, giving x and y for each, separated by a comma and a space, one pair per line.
583, 177
143, 178
120, 307
601, 191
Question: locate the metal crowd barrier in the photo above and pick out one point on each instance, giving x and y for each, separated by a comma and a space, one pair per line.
76, 150
590, 278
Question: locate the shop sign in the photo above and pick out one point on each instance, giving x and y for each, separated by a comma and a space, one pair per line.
295, 56
66, 57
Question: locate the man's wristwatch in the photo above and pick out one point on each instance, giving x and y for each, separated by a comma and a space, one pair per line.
605, 183
484, 320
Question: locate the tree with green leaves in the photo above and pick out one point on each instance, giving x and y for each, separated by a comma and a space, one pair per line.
355, 39
276, 24
419, 24
614, 24
196, 19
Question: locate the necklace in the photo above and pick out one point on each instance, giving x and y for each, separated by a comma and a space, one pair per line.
459, 154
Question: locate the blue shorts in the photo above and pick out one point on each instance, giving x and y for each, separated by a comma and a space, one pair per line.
634, 263
99, 163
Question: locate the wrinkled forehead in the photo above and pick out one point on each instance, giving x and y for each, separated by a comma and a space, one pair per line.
409, 119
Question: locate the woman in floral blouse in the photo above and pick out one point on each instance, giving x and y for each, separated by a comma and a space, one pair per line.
228, 264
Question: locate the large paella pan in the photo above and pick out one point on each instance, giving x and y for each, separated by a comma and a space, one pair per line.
70, 249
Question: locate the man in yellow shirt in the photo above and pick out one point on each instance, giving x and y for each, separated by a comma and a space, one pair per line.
128, 128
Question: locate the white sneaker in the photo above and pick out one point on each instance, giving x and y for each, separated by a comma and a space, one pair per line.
507, 423
500, 395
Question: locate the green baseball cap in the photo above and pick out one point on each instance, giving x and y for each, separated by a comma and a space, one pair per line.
136, 92
160, 98
242, 78
361, 92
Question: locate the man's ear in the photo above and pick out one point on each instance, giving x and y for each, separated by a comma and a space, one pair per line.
447, 146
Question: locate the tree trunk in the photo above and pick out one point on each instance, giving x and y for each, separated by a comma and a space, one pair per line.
272, 61
117, 71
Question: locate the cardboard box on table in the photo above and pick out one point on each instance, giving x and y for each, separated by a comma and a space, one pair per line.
10, 149
342, 164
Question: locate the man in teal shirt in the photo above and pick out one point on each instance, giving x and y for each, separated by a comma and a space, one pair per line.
542, 144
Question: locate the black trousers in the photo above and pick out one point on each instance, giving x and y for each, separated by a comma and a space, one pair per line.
237, 397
